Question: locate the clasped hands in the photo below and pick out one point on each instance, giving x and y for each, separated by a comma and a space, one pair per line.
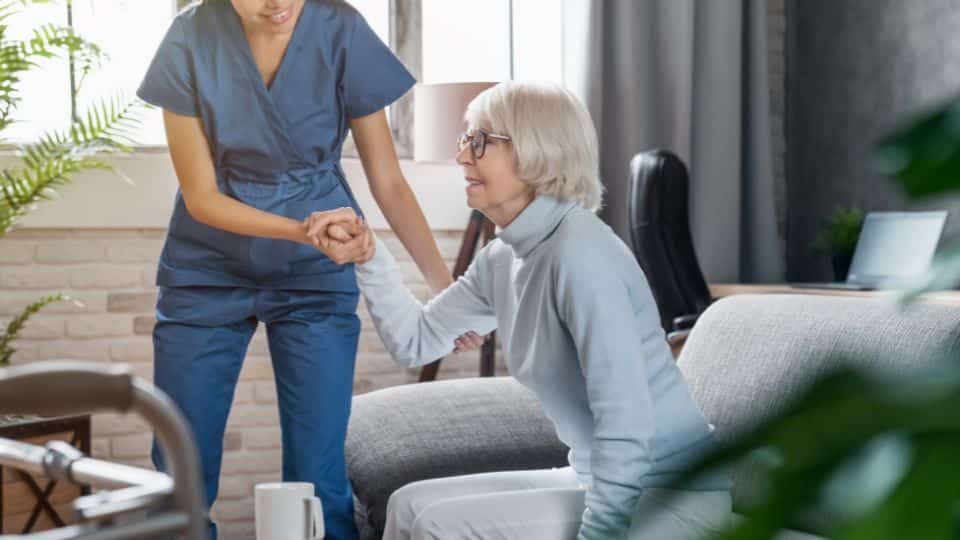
341, 235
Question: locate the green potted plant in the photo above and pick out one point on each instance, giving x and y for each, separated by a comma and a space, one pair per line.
912, 424
53, 159
838, 239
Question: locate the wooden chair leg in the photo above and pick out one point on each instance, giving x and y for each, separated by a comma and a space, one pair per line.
488, 353
488, 350
429, 372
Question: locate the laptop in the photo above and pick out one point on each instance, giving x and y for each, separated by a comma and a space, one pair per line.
894, 250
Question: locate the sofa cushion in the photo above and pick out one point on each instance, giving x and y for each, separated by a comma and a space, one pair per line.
749, 354
446, 428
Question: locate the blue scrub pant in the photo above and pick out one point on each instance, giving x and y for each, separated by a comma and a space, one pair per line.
200, 341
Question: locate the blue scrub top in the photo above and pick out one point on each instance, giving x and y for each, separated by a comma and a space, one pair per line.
275, 148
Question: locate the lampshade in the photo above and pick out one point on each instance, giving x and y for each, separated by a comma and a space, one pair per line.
438, 117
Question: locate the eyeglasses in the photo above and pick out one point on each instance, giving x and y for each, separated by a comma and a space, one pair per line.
478, 140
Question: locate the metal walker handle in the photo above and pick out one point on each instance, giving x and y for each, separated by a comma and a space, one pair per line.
68, 387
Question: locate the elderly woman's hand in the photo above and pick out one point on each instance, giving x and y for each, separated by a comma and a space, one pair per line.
468, 342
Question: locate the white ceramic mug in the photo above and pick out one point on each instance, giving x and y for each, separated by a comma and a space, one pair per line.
288, 511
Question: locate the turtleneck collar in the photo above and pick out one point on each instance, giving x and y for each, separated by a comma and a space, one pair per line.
534, 224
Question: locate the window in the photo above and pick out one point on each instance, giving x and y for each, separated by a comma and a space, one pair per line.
129, 46
457, 48
538, 40
377, 14
464, 40
438, 40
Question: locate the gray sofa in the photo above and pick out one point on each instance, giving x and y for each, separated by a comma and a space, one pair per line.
743, 360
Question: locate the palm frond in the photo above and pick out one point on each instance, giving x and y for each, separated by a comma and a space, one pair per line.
47, 41
50, 40
16, 325
49, 163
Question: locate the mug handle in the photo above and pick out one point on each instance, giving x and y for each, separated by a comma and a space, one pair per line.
314, 518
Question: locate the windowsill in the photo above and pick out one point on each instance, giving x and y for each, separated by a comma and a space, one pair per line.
104, 200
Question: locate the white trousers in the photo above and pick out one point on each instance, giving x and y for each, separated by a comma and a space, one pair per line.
538, 505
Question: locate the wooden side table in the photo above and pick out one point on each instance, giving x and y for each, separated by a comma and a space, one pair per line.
25, 504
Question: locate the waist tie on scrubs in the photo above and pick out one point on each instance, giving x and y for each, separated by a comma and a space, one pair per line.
196, 254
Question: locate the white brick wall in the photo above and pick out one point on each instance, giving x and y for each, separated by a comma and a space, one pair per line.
112, 273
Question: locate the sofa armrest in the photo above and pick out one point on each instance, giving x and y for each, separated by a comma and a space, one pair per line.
446, 428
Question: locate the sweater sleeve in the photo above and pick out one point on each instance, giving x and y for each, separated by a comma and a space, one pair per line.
414, 333
599, 312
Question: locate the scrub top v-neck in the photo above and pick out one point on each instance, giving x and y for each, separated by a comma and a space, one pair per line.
274, 147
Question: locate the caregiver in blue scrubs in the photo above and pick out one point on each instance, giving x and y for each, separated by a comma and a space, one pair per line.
258, 97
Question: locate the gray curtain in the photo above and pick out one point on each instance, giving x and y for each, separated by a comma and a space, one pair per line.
689, 76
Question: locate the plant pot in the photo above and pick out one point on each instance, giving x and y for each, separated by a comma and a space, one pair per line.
841, 266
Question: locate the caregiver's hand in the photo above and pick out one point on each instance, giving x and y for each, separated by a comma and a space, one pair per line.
338, 224
341, 235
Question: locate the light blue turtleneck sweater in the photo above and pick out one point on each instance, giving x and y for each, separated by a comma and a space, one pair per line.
580, 328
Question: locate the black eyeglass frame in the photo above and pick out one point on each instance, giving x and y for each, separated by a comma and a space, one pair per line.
478, 140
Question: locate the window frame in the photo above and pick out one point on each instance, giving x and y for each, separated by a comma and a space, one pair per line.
406, 40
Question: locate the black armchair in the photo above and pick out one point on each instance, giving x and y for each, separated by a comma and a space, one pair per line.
660, 234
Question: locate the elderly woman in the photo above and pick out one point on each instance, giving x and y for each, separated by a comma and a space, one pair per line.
579, 327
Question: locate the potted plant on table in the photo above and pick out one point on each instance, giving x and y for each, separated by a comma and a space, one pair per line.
838, 239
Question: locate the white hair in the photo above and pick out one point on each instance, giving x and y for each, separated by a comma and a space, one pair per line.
554, 140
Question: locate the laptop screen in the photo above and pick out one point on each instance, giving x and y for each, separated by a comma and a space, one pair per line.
895, 248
